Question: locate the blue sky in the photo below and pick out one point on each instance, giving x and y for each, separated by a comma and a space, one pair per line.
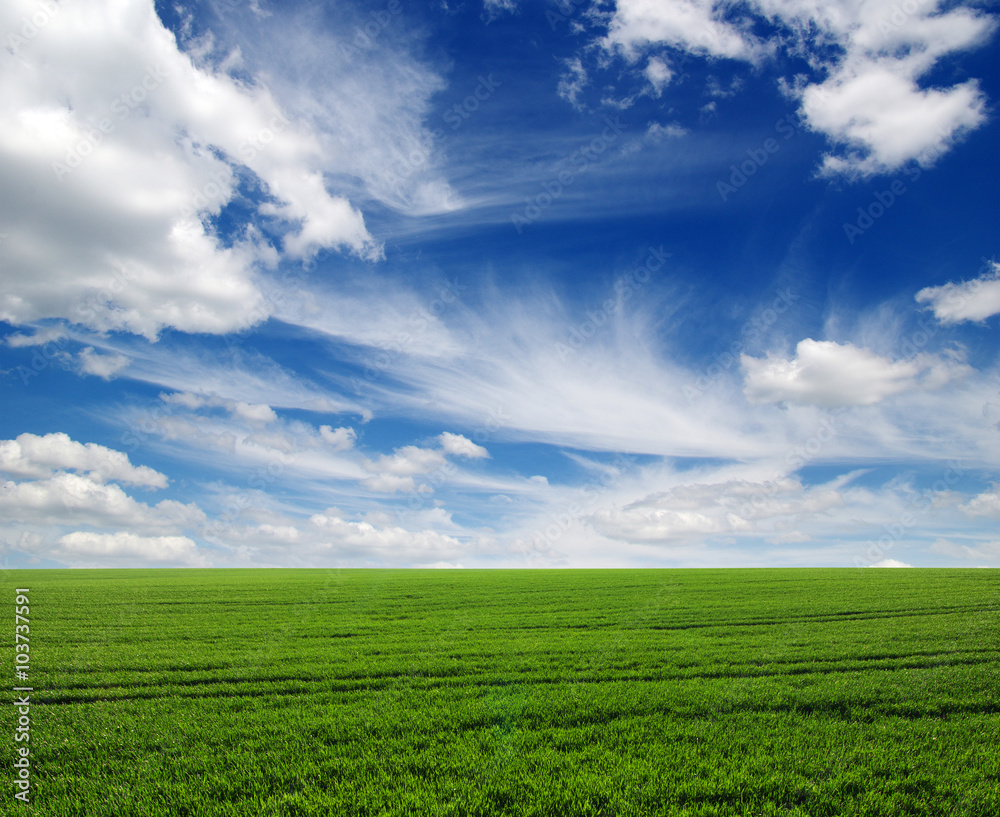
501, 284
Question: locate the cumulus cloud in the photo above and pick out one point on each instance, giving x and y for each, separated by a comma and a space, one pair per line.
891, 563
69, 499
974, 300
253, 413
409, 460
49, 498
342, 439
459, 446
884, 119
116, 145
121, 549
658, 74
395, 472
694, 25
873, 103
825, 373
30, 455
985, 504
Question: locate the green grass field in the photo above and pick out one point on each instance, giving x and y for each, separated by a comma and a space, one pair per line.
695, 692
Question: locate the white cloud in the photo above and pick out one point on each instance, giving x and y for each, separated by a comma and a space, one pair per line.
409, 460
984, 552
985, 504
68, 499
512, 366
658, 132
389, 484
342, 439
825, 373
30, 455
572, 83
35, 510
394, 472
40, 337
658, 74
789, 538
694, 511
459, 446
872, 104
883, 119
257, 414
695, 25
114, 139
191, 432
363, 99
272, 441
186, 399
496, 7
86, 549
105, 366
891, 563
389, 544
974, 300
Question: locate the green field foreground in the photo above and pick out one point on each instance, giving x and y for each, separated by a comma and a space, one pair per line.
605, 692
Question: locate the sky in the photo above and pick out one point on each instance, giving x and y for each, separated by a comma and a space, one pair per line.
499, 284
